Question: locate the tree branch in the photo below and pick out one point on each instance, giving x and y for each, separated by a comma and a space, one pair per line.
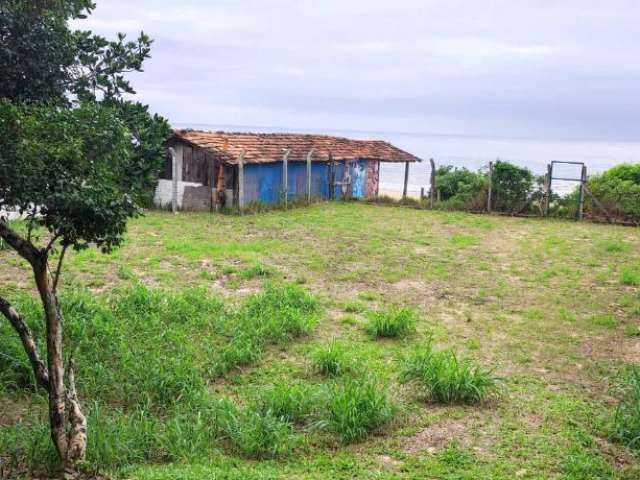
28, 342
24, 248
58, 269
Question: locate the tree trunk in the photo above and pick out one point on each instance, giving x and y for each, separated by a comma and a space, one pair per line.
71, 447
57, 394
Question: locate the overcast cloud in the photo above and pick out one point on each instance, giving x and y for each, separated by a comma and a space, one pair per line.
546, 69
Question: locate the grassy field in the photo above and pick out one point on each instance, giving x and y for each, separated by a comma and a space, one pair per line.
342, 341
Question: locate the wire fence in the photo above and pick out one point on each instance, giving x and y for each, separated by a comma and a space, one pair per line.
564, 190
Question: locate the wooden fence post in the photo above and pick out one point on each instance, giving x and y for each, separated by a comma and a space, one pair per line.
490, 192
547, 198
432, 193
174, 180
583, 182
406, 180
285, 176
309, 155
241, 181
332, 179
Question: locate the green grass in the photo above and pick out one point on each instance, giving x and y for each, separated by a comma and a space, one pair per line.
332, 359
296, 403
391, 323
626, 421
257, 434
197, 339
445, 378
358, 407
630, 276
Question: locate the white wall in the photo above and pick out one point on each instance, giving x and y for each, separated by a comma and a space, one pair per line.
162, 197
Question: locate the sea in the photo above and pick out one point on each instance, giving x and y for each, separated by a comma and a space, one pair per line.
474, 153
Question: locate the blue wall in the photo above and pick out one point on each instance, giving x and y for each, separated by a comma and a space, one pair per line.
263, 181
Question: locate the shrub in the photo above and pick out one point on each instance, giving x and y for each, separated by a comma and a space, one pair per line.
395, 322
460, 188
332, 359
619, 190
626, 421
357, 407
511, 186
445, 378
293, 403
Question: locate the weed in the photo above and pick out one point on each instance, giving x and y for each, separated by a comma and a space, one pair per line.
367, 296
332, 359
357, 407
632, 330
626, 421
293, 403
257, 434
606, 321
353, 306
394, 322
614, 246
630, 276
445, 378
256, 270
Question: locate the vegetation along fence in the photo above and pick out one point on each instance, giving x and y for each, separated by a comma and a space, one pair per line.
504, 188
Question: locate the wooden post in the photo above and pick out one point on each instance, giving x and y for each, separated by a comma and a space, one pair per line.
547, 198
309, 155
406, 180
331, 177
285, 176
583, 182
489, 193
174, 180
422, 197
432, 193
241, 181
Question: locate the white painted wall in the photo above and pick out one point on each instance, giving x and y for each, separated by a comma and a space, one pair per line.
162, 197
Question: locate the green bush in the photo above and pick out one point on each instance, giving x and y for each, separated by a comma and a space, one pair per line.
394, 322
460, 188
332, 359
626, 422
619, 190
445, 378
358, 407
511, 186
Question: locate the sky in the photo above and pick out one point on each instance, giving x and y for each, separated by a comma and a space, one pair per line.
566, 69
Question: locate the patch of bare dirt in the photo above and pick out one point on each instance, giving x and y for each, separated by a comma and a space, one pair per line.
468, 432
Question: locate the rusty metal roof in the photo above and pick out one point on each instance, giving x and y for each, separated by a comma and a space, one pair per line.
269, 147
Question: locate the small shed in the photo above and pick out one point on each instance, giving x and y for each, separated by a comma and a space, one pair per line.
221, 169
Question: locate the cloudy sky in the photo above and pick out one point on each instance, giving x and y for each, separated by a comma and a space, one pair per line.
565, 69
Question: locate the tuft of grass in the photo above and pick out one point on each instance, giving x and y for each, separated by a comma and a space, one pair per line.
293, 403
632, 330
394, 322
332, 360
626, 421
358, 407
614, 246
257, 434
630, 275
445, 378
255, 271
353, 306
460, 240
606, 321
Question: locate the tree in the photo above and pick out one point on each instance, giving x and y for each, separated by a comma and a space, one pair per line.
77, 161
